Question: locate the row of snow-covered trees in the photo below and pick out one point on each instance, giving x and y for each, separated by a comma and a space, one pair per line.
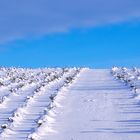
29, 88
131, 77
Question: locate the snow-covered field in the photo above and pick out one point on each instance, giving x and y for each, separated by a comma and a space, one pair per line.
69, 104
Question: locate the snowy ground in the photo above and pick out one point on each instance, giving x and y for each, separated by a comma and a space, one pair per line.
95, 106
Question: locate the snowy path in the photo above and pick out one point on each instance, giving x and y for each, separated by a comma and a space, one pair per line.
96, 107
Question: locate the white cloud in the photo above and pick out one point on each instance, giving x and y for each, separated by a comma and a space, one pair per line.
29, 18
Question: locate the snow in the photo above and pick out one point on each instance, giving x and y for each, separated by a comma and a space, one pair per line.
96, 107
69, 104
21, 109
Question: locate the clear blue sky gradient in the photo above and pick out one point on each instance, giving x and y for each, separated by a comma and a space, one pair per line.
98, 47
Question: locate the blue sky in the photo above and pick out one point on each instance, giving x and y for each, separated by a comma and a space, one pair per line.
89, 33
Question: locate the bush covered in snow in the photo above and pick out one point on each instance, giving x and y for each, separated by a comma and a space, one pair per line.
27, 96
131, 77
